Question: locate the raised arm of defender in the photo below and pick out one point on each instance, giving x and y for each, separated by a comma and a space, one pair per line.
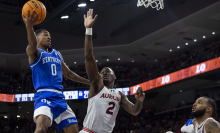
95, 78
31, 49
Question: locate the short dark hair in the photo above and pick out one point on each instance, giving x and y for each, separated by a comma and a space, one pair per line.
212, 103
37, 32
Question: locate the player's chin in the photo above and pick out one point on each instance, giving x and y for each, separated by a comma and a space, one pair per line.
47, 45
105, 79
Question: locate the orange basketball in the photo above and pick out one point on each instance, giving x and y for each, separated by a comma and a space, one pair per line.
38, 7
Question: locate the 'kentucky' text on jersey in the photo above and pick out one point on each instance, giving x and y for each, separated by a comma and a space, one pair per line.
47, 70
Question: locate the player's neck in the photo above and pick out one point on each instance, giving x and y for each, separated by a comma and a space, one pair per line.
110, 86
44, 48
202, 118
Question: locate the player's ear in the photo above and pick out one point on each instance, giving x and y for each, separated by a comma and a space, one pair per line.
209, 109
37, 37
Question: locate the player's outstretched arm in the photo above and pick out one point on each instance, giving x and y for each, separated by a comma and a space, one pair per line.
131, 108
212, 127
95, 78
31, 49
73, 76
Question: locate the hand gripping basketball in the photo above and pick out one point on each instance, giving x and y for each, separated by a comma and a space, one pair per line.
140, 95
89, 20
31, 19
38, 7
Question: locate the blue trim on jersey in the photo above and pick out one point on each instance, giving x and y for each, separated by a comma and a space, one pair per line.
36, 61
66, 122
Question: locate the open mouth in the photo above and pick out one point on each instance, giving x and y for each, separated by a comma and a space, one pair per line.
193, 108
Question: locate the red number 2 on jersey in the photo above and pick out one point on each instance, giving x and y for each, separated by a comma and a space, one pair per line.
108, 111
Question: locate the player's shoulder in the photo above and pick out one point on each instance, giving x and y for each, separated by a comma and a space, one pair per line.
121, 92
212, 126
58, 52
41, 50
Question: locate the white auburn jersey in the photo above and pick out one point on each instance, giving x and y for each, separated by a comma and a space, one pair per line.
201, 128
102, 111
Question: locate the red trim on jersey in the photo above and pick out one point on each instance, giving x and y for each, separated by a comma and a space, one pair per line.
97, 92
200, 126
88, 130
203, 123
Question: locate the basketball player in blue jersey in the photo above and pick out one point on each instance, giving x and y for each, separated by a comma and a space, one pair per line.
103, 102
47, 67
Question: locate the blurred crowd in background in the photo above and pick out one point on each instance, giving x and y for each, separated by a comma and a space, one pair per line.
127, 75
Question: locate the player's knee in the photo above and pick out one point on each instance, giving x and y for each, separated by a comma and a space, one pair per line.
41, 129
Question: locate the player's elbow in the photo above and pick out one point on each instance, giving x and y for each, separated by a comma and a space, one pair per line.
135, 113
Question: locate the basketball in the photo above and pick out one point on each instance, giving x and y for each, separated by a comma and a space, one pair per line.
38, 7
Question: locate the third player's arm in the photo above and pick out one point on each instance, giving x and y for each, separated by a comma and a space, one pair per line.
73, 76
212, 127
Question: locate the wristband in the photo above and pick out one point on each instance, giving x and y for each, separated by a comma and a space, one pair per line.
88, 31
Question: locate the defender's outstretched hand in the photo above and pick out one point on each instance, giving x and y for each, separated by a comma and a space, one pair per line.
140, 95
31, 19
89, 20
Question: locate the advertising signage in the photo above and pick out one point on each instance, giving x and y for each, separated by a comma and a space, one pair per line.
178, 75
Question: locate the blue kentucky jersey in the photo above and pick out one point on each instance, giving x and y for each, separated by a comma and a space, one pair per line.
47, 70
189, 122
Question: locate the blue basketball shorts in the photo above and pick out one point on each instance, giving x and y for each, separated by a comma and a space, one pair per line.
53, 105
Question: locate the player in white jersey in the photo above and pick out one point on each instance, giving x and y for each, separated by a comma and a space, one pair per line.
203, 110
103, 102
